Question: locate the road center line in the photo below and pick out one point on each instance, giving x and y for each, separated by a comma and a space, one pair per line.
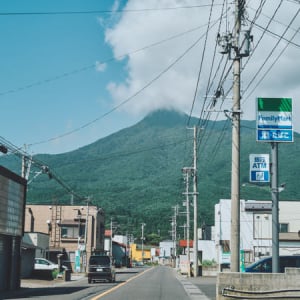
119, 285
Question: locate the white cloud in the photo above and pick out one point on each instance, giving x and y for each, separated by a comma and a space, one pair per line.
176, 87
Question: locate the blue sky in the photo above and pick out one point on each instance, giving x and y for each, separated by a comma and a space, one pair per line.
65, 80
36, 49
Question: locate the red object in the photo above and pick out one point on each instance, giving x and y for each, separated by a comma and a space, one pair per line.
183, 243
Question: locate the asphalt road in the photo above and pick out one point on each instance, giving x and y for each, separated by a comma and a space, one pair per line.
158, 283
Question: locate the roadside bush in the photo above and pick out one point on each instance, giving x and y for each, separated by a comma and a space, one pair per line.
209, 263
54, 274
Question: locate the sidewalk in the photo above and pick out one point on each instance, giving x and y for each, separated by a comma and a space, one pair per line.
195, 286
33, 282
193, 291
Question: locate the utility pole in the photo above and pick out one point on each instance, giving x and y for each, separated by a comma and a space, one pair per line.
228, 42
186, 171
275, 208
143, 225
174, 233
26, 164
86, 231
235, 168
195, 198
111, 236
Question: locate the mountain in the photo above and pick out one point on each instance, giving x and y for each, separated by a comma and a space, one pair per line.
135, 174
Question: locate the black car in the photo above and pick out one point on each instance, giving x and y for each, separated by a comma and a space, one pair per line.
101, 268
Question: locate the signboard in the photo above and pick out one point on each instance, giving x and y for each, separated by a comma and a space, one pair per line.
12, 202
274, 120
77, 260
259, 168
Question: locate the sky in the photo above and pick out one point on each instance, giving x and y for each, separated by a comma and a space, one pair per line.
75, 71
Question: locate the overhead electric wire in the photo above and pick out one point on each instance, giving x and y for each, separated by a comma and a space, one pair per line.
271, 52
261, 37
274, 20
121, 154
200, 68
150, 82
276, 35
209, 78
101, 11
201, 63
270, 67
205, 133
86, 68
209, 83
202, 121
257, 14
204, 137
40, 165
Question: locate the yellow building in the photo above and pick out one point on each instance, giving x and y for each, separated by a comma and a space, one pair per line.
139, 253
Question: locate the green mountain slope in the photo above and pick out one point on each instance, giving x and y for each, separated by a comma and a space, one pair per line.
135, 175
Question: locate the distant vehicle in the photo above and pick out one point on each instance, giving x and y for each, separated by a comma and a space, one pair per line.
101, 268
264, 265
44, 264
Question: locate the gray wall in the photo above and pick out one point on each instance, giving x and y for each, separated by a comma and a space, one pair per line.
240, 285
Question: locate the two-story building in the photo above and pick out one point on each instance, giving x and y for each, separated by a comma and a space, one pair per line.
74, 231
256, 229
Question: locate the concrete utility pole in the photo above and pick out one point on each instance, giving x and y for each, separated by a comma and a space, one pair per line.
275, 208
86, 232
195, 198
143, 225
174, 231
235, 168
26, 165
187, 171
228, 42
111, 237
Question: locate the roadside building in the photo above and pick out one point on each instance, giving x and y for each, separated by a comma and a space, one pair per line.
75, 232
256, 229
12, 203
140, 253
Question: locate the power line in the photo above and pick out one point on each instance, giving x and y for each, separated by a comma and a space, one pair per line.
88, 67
149, 83
270, 67
202, 59
278, 35
101, 11
40, 165
272, 51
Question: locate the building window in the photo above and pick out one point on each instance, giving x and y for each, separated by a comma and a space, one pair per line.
283, 227
72, 232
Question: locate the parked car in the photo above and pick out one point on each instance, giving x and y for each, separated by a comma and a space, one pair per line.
264, 265
101, 267
44, 264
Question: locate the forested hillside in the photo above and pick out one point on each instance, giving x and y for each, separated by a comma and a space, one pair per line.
135, 175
